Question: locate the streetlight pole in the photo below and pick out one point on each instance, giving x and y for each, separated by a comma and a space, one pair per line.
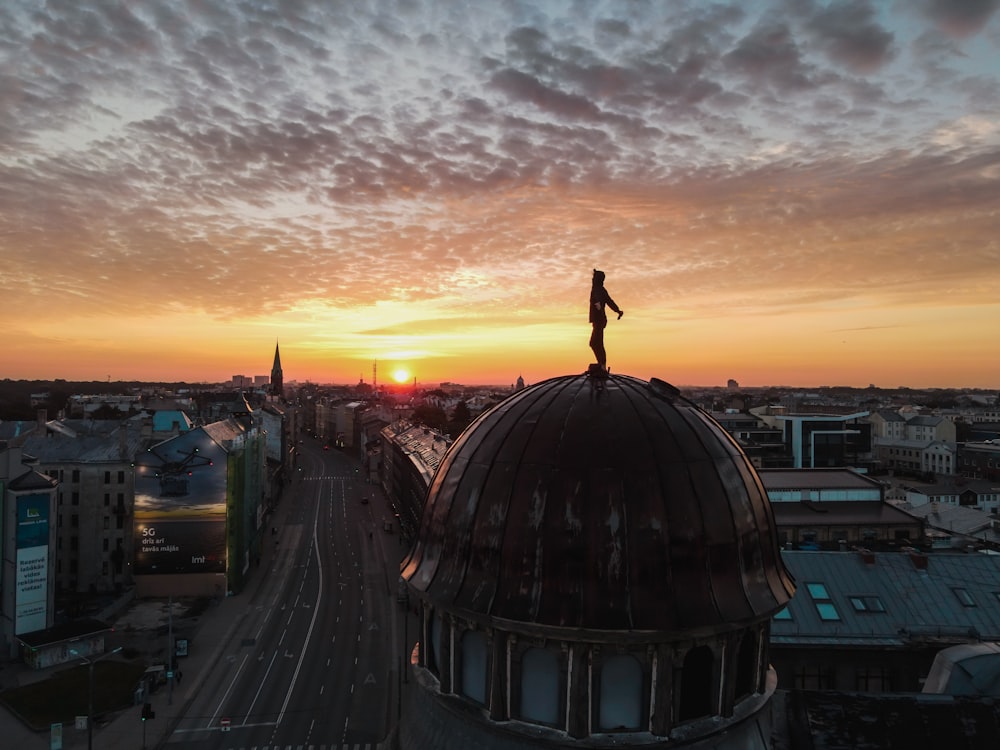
90, 690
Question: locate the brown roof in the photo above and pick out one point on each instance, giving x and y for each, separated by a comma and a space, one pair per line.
602, 505
840, 513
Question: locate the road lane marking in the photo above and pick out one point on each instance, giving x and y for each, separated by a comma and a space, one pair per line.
259, 688
312, 622
225, 695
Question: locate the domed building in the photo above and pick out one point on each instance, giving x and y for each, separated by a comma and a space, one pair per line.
597, 566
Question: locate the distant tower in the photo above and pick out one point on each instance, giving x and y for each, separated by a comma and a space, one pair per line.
520, 384
374, 375
277, 377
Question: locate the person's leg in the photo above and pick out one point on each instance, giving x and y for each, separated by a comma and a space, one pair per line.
597, 344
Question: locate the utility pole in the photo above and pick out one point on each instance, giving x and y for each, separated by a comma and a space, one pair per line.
90, 690
170, 651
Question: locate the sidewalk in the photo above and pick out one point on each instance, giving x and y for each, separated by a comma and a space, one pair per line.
125, 731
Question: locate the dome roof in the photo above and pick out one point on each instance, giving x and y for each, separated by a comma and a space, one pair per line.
618, 507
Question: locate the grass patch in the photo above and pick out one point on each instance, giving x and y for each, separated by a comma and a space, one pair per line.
63, 696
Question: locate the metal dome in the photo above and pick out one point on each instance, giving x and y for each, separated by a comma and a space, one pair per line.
599, 504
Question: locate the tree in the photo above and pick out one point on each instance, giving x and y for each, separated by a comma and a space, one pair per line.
431, 416
460, 418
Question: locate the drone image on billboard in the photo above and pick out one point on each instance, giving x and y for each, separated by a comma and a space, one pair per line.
180, 506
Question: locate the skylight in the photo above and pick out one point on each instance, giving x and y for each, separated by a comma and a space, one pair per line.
821, 598
827, 611
866, 603
964, 597
817, 591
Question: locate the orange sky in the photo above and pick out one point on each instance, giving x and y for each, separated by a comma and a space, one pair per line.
790, 195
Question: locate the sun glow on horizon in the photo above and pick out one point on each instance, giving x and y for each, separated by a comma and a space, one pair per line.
401, 375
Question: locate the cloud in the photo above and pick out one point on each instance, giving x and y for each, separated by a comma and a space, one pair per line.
960, 18
850, 35
261, 160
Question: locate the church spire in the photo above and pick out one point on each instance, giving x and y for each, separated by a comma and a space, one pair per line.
277, 377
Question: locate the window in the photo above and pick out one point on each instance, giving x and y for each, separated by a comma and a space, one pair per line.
107, 498
813, 678
474, 665
75, 498
121, 477
540, 686
621, 693
817, 591
74, 520
696, 684
821, 598
964, 597
104, 544
866, 603
827, 611
783, 614
873, 680
107, 523
746, 666
75, 475
107, 477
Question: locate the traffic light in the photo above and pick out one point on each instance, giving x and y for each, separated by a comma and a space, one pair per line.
147, 711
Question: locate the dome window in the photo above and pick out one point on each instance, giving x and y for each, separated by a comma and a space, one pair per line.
474, 666
540, 687
621, 693
746, 666
696, 684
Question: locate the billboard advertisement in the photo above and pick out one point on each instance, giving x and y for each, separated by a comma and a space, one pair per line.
180, 506
32, 571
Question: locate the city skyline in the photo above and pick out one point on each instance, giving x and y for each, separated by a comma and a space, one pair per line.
787, 192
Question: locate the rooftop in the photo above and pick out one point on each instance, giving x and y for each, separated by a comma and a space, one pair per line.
890, 598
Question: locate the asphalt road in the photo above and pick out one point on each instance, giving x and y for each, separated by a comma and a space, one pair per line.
313, 662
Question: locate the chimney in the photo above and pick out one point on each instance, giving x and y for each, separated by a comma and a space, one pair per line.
867, 556
919, 560
43, 417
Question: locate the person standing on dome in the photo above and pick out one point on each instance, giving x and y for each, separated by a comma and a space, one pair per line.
599, 297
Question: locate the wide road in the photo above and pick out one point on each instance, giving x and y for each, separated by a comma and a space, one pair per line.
312, 662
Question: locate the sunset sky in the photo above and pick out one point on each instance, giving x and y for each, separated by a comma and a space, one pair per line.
791, 192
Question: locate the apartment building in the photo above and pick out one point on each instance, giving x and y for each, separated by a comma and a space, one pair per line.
92, 462
914, 444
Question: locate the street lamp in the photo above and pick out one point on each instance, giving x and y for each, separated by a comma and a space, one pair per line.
90, 689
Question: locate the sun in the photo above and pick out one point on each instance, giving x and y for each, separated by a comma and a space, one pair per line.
401, 375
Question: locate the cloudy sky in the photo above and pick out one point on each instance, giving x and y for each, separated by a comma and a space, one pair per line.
783, 192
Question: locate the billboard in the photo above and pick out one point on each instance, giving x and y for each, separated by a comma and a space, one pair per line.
180, 506
31, 575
